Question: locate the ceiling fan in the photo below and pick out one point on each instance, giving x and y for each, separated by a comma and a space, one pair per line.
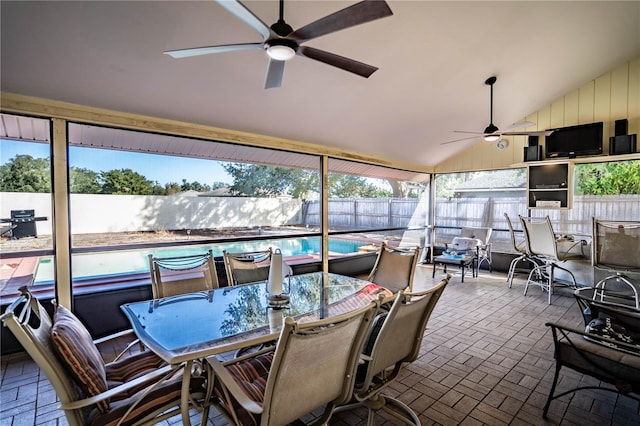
282, 43
491, 132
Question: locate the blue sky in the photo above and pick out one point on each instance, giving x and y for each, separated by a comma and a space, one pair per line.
154, 167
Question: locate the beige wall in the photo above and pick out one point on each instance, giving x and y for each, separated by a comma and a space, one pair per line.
610, 97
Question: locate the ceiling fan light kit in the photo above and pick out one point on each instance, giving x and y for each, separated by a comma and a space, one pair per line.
282, 43
281, 49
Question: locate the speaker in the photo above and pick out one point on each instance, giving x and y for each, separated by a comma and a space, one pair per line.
621, 127
624, 144
533, 153
533, 140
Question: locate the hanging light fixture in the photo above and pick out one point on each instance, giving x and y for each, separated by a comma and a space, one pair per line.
281, 49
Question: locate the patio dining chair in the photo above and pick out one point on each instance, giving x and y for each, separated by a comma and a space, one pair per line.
541, 244
616, 252
171, 276
521, 248
247, 267
275, 387
393, 341
394, 268
139, 389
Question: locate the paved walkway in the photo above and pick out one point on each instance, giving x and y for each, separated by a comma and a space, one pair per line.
487, 358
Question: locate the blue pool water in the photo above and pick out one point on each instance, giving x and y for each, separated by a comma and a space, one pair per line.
126, 262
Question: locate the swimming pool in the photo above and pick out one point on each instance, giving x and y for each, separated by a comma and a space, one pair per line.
86, 266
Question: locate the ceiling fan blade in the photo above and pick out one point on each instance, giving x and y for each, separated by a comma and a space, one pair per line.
474, 133
338, 61
463, 139
532, 133
275, 70
359, 13
198, 51
519, 125
241, 12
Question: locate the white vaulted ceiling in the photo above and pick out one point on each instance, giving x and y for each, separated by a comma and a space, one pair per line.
433, 59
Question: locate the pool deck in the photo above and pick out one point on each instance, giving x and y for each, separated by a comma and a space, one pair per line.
16, 272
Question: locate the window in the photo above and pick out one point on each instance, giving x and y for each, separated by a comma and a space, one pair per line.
479, 199
136, 193
371, 204
25, 200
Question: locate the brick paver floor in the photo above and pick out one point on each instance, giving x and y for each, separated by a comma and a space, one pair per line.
487, 358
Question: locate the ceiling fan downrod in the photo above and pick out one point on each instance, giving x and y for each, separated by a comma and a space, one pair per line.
491, 128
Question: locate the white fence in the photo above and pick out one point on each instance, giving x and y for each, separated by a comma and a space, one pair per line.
129, 213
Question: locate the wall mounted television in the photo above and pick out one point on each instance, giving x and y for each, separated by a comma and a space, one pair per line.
575, 141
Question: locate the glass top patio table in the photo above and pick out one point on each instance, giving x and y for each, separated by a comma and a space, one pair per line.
197, 325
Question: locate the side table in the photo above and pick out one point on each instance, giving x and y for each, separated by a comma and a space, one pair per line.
462, 262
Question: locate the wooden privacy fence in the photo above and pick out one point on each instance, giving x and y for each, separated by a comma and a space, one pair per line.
368, 213
451, 214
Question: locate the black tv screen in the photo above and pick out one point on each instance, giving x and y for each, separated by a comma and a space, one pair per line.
575, 141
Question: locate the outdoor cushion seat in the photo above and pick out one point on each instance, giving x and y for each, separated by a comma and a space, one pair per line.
251, 376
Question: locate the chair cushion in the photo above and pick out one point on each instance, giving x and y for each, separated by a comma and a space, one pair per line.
130, 368
162, 397
251, 375
75, 349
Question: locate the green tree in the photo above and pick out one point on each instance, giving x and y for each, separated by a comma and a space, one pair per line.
172, 188
264, 181
256, 180
23, 173
194, 186
611, 178
352, 186
125, 181
84, 181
